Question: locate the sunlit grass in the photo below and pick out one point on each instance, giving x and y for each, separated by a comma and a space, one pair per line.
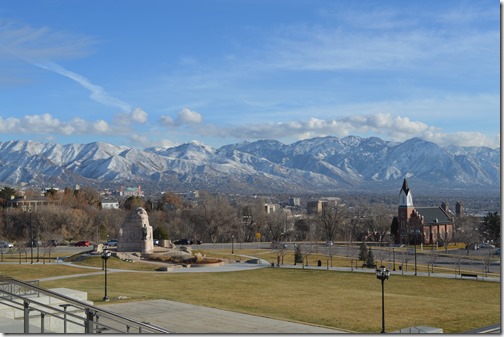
350, 301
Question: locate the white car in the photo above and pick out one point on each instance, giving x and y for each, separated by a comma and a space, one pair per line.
6, 245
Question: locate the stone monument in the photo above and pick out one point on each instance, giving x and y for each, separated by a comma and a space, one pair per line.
135, 234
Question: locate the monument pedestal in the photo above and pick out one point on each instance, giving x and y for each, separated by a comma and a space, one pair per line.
135, 235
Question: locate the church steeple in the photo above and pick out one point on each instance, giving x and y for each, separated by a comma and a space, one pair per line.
405, 197
405, 186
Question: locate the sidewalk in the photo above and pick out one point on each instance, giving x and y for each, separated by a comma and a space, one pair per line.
187, 318
392, 273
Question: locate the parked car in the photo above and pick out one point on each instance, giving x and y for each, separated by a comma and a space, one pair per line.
199, 242
183, 242
5, 244
82, 244
497, 251
329, 243
33, 243
52, 243
156, 242
111, 243
486, 245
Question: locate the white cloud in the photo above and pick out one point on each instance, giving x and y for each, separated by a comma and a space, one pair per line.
384, 125
185, 116
98, 94
101, 126
36, 44
139, 116
47, 124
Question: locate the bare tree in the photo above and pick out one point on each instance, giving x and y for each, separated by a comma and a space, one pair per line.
353, 253
458, 262
378, 222
488, 259
405, 257
353, 226
331, 251
331, 220
467, 232
380, 254
277, 225
432, 257
216, 215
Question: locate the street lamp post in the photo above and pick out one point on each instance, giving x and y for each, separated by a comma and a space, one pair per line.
232, 244
31, 236
393, 255
415, 254
105, 255
38, 240
383, 274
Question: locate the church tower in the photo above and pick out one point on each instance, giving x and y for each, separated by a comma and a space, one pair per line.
405, 201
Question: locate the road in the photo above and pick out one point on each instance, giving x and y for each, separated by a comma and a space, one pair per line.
449, 259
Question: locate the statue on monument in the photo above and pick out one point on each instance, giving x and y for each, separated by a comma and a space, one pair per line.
136, 233
144, 232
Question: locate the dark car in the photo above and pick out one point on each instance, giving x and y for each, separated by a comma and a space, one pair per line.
183, 242
52, 243
33, 243
82, 244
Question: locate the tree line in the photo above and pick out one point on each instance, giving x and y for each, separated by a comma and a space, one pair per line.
74, 215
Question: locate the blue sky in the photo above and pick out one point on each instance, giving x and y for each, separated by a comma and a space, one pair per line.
160, 73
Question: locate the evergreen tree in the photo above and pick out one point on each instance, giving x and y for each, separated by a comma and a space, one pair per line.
394, 230
363, 251
298, 255
370, 259
159, 233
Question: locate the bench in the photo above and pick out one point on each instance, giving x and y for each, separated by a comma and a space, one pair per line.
469, 275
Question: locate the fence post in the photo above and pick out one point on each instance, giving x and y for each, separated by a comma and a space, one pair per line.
42, 324
88, 326
64, 306
26, 311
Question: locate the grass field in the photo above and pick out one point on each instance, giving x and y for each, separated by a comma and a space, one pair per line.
350, 301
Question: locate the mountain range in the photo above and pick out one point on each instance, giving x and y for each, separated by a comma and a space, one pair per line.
265, 166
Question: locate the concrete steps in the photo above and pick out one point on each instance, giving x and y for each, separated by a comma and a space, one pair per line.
12, 319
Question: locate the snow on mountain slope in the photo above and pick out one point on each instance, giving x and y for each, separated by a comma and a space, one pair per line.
316, 164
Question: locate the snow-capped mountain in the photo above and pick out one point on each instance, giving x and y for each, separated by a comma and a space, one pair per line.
318, 164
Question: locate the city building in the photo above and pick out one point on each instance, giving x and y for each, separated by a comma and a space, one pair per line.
316, 206
110, 204
426, 225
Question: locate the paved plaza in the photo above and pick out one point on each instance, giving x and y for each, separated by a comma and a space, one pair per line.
187, 318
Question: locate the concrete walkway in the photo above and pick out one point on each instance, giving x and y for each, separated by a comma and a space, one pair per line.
187, 318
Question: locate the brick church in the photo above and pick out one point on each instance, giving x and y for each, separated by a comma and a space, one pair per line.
427, 225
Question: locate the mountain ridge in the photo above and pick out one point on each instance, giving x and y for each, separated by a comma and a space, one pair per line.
265, 166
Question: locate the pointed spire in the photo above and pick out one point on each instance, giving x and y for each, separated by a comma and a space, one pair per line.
405, 186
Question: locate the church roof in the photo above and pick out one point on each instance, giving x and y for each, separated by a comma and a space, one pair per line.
434, 215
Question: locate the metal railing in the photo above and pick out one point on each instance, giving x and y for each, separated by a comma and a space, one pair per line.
25, 297
10, 288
